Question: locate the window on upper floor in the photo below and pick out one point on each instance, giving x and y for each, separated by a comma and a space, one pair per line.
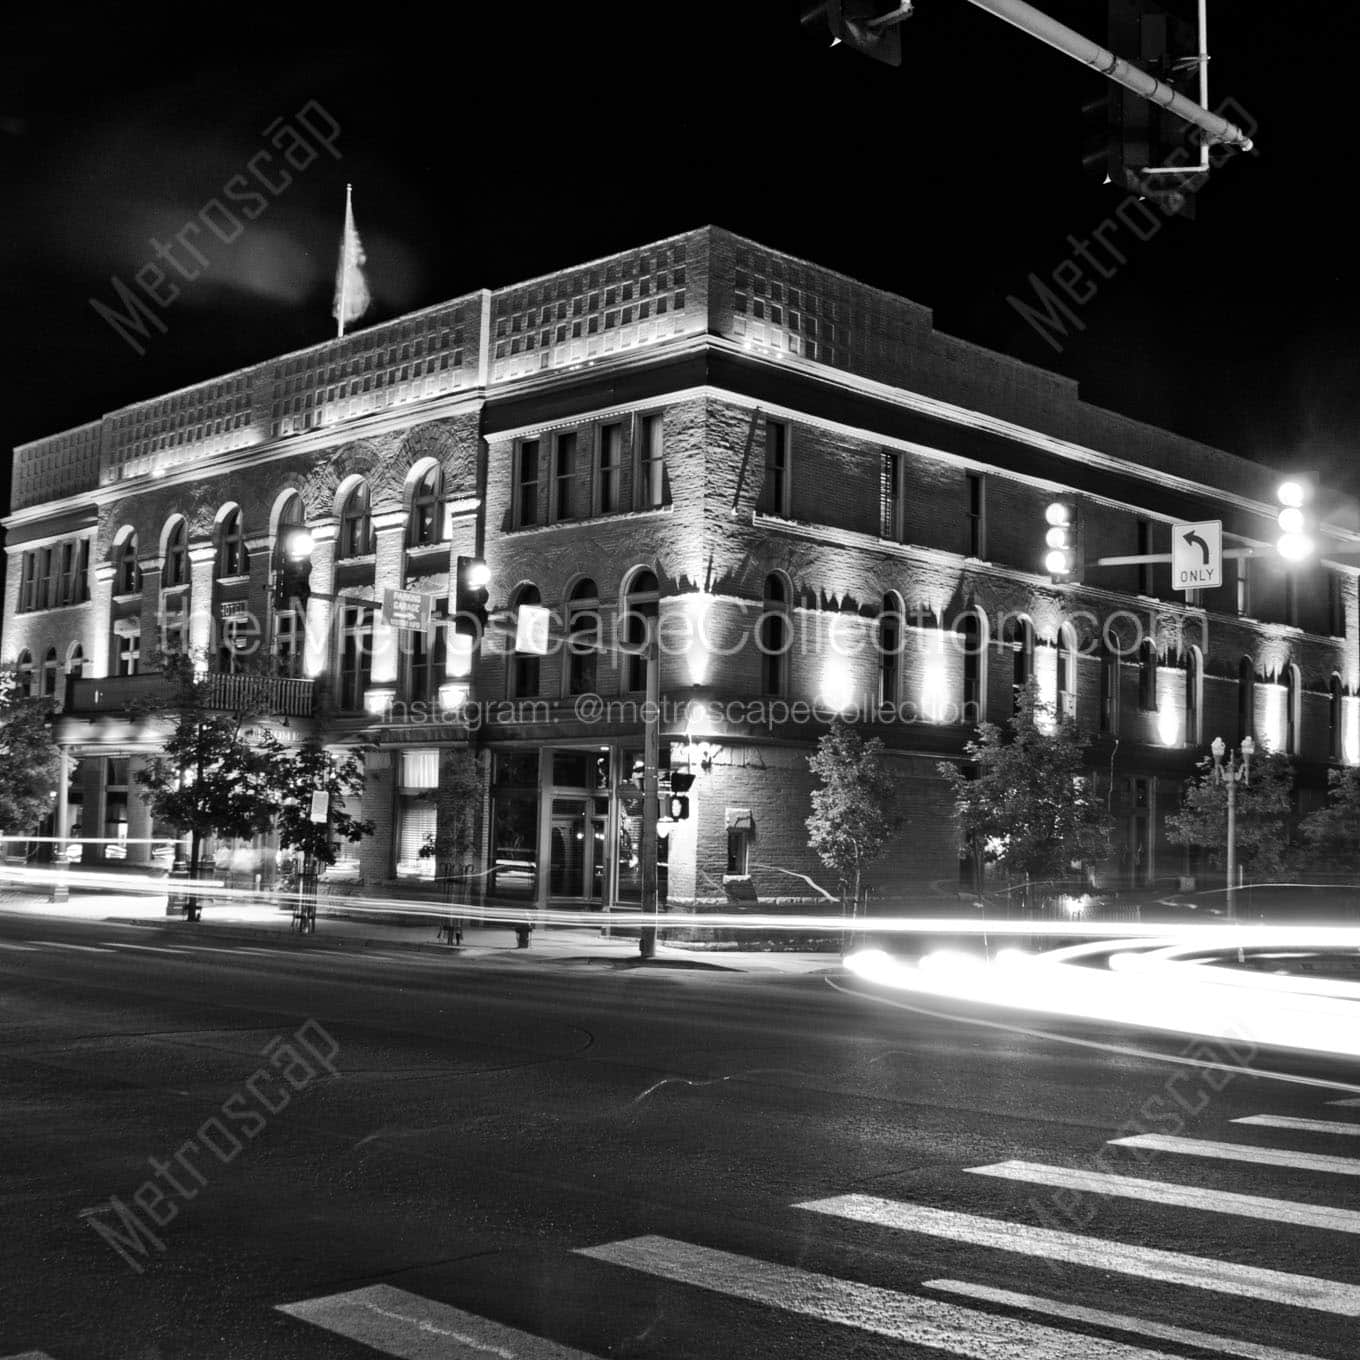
1067, 673
1291, 710
1336, 731
356, 523
1194, 678
890, 496
524, 677
1147, 676
1242, 586
127, 576
565, 471
977, 515
175, 567
356, 655
75, 661
775, 636
288, 643
423, 661
129, 649
1246, 697
50, 670
891, 632
526, 483
1019, 637
583, 637
425, 523
774, 492
650, 484
24, 675
636, 624
1110, 672
973, 640
232, 556
609, 482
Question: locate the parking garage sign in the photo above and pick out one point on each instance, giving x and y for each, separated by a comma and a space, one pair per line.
1197, 555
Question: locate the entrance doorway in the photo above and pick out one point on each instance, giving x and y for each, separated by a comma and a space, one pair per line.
577, 861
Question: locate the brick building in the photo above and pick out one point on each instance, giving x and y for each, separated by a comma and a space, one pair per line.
821, 501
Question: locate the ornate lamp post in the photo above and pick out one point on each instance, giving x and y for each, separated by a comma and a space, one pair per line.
1231, 773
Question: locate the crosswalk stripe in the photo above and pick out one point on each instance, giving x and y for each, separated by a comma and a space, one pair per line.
84, 948
1098, 1317
1148, 1263
412, 1327
1183, 1196
965, 1332
1284, 1121
1242, 1152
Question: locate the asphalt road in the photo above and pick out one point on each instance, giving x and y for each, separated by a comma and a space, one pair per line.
441, 1157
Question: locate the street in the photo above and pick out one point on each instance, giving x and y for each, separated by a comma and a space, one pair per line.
328, 1153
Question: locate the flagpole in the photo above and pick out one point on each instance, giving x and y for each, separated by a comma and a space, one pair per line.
344, 263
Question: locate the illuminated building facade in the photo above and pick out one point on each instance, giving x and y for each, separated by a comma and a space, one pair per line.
822, 503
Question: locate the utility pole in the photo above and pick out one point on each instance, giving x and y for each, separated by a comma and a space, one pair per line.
651, 755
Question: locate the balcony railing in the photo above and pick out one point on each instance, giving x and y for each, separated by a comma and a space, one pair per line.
231, 693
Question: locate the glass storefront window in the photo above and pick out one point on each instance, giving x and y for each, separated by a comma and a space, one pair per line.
514, 858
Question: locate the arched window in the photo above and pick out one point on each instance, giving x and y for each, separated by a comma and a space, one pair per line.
1336, 736
891, 632
425, 524
232, 556
637, 622
175, 568
75, 661
49, 674
356, 523
775, 636
1291, 710
973, 632
127, 579
23, 671
524, 666
1019, 638
1110, 673
1246, 698
1147, 676
583, 637
1067, 673
1194, 681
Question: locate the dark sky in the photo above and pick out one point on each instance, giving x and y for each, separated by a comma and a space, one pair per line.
489, 143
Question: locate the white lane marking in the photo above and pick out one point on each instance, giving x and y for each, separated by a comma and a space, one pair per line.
7, 944
1095, 1253
149, 948
1242, 1152
1097, 1317
1183, 1196
84, 948
919, 1321
28, 1355
415, 1328
1284, 1121
1344, 1102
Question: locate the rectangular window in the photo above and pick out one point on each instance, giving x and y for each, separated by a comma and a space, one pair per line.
774, 494
416, 821
977, 515
890, 496
129, 652
564, 475
1243, 585
288, 643
47, 580
356, 656
66, 591
27, 588
651, 484
526, 484
611, 464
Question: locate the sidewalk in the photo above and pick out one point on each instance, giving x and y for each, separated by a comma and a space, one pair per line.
337, 928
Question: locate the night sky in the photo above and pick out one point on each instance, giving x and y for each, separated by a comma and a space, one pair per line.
490, 143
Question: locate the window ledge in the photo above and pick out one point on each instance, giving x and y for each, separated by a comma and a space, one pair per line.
359, 560
736, 878
243, 580
589, 521
127, 598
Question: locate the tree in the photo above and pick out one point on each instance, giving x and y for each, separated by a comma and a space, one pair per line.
209, 780
852, 813
29, 762
453, 843
1334, 831
1026, 801
1263, 805
294, 775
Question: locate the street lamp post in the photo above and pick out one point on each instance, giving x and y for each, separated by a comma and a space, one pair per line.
1231, 774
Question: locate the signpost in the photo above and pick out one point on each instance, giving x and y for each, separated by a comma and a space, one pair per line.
406, 609
1197, 555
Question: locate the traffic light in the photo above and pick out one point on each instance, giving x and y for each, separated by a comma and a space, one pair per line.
470, 596
1060, 552
1295, 543
678, 802
867, 26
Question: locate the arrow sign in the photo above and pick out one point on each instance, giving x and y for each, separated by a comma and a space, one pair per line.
1197, 555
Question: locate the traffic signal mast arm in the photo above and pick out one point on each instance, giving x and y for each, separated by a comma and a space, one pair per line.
1138, 558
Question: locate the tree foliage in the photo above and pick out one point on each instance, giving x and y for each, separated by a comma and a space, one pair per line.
29, 762
1026, 799
1333, 831
294, 775
853, 811
454, 840
1263, 804
209, 778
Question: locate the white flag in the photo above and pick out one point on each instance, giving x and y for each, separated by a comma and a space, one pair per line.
351, 288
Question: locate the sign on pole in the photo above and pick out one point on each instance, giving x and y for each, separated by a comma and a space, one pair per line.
321, 805
531, 629
1197, 555
406, 609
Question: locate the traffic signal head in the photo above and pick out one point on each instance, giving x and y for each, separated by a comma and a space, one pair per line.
864, 26
1295, 542
677, 807
681, 781
1058, 557
470, 596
